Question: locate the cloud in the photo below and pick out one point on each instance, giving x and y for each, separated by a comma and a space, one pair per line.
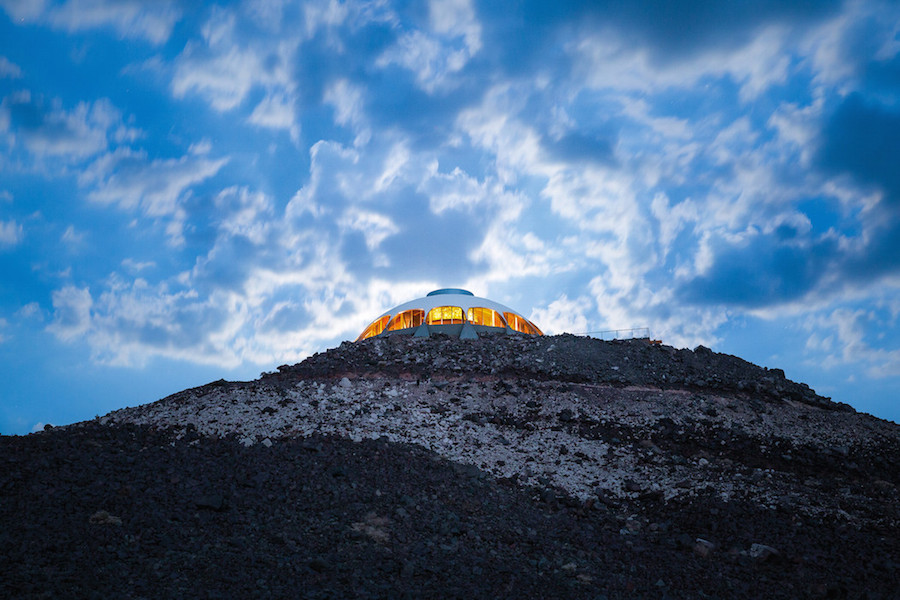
128, 18
135, 266
32, 309
224, 72
563, 315
73, 237
9, 70
374, 227
276, 111
52, 131
452, 39
245, 214
612, 165
71, 312
763, 270
862, 139
348, 101
842, 336
11, 233
154, 187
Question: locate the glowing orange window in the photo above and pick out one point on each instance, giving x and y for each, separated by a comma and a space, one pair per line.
375, 328
521, 324
445, 315
485, 316
407, 319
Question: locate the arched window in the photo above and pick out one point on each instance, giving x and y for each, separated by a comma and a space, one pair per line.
407, 319
485, 316
445, 315
375, 328
521, 324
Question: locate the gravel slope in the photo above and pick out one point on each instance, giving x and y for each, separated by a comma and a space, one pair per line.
513, 467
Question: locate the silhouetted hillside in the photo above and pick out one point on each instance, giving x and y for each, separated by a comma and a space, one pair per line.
501, 467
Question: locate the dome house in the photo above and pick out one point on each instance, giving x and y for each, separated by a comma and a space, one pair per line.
451, 311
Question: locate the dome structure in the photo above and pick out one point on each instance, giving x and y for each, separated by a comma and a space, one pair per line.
452, 311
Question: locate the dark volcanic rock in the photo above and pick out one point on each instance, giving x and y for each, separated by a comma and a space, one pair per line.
496, 468
401, 522
560, 358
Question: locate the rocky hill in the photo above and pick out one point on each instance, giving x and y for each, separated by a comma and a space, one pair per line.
506, 466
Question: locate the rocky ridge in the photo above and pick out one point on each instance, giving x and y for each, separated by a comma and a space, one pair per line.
687, 463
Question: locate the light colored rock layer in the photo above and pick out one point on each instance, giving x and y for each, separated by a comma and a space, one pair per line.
492, 427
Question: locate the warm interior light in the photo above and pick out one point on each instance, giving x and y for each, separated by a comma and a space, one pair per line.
521, 324
407, 319
445, 315
485, 316
375, 328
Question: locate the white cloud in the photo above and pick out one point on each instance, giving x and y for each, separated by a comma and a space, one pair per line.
276, 111
155, 187
348, 101
435, 56
9, 70
72, 236
375, 227
841, 336
136, 266
129, 179
71, 312
55, 132
268, 13
223, 72
223, 79
325, 13
563, 315
11, 233
246, 214
606, 60
32, 309
456, 18
24, 10
151, 21
201, 148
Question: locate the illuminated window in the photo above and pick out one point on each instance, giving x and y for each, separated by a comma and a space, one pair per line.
521, 324
407, 319
375, 328
445, 315
485, 316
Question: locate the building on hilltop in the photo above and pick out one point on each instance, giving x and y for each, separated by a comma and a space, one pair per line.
451, 311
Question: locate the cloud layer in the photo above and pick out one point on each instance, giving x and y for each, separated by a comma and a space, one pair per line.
274, 175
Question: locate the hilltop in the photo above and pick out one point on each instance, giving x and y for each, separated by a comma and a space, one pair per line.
506, 466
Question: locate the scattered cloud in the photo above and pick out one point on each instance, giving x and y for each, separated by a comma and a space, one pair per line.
48, 130
11, 233
30, 310
128, 18
9, 70
71, 312
224, 73
689, 168
276, 111
154, 187
73, 237
845, 336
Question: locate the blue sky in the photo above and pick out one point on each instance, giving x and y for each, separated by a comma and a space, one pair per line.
191, 191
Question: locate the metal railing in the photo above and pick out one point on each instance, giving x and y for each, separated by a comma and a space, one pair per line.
632, 333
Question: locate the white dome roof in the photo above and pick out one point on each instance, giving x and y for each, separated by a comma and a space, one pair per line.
449, 310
